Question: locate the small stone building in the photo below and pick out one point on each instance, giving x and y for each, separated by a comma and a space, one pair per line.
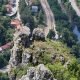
34, 9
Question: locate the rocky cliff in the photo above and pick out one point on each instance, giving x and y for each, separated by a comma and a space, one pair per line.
21, 40
38, 73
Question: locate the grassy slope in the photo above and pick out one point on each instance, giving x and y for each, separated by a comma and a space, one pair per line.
44, 51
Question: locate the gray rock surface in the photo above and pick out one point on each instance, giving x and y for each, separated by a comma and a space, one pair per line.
38, 34
26, 56
12, 77
38, 73
16, 52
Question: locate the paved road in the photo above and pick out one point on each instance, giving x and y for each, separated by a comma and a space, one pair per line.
49, 18
75, 7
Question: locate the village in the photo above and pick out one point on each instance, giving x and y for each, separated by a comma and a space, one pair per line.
12, 9
39, 40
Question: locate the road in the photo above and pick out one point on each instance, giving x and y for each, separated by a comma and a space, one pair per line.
50, 20
18, 15
26, 2
75, 7
62, 6
64, 10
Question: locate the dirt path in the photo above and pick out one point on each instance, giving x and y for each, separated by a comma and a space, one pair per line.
75, 7
62, 6
49, 18
65, 10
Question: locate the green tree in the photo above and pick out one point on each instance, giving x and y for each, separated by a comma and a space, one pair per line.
76, 49
69, 37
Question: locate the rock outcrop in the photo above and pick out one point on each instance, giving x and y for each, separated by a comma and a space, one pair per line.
17, 50
38, 73
26, 56
38, 34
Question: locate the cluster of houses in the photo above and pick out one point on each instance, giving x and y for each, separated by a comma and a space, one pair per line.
11, 10
17, 25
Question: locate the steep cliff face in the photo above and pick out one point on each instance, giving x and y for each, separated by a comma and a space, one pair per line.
49, 53
21, 40
38, 34
38, 73
26, 57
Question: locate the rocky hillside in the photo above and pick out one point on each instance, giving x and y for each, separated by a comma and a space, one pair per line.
45, 46
53, 54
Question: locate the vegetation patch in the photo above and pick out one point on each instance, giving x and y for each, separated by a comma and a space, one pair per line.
50, 53
6, 31
4, 58
4, 76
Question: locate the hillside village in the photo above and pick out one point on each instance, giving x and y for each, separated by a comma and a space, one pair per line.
39, 40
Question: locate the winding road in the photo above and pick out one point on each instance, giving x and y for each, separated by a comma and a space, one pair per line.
75, 7
50, 20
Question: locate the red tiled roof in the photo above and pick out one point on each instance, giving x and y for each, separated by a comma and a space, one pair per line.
6, 46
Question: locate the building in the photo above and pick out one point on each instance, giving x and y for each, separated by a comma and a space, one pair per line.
6, 46
34, 9
16, 23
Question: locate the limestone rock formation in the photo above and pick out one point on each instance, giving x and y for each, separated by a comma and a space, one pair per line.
26, 56
38, 73
12, 76
38, 34
16, 52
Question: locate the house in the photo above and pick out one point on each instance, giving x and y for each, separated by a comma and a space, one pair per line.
34, 9
16, 23
6, 46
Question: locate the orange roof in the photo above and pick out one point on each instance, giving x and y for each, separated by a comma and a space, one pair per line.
8, 45
16, 23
